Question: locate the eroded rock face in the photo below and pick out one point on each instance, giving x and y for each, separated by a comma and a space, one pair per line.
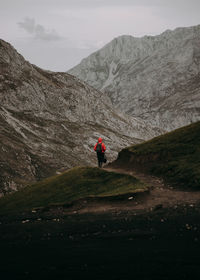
155, 77
51, 121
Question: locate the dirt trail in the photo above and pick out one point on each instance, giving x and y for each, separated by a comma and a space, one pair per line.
158, 196
160, 193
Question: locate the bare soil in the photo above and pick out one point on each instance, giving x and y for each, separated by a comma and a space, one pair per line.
159, 195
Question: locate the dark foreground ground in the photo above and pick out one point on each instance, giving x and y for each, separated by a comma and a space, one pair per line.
159, 244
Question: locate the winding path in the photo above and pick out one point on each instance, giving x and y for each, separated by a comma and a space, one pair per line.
158, 196
160, 193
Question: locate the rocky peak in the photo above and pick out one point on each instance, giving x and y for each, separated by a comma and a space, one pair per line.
153, 77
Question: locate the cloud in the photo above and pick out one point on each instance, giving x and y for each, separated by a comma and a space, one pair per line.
38, 31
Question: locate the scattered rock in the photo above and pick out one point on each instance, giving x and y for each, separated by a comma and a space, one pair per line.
188, 226
25, 221
56, 220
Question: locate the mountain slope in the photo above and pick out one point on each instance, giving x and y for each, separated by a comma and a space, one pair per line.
153, 77
52, 120
174, 156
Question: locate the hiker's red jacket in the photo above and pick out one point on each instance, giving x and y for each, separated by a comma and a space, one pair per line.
103, 147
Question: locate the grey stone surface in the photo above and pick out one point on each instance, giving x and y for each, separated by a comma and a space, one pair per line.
51, 121
156, 78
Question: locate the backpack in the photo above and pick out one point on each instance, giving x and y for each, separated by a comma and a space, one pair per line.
99, 148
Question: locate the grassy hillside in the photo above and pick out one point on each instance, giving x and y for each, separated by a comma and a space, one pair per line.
174, 156
77, 183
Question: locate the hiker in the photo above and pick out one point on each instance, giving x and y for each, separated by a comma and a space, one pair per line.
100, 148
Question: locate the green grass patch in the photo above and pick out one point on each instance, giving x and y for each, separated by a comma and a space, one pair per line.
174, 156
77, 183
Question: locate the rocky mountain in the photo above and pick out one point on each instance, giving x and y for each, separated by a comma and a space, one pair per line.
156, 78
51, 121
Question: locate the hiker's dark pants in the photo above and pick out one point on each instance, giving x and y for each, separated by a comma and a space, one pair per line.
100, 157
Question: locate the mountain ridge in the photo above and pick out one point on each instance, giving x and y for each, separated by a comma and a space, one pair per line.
51, 120
155, 78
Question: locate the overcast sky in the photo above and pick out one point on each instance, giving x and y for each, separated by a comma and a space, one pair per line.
57, 34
